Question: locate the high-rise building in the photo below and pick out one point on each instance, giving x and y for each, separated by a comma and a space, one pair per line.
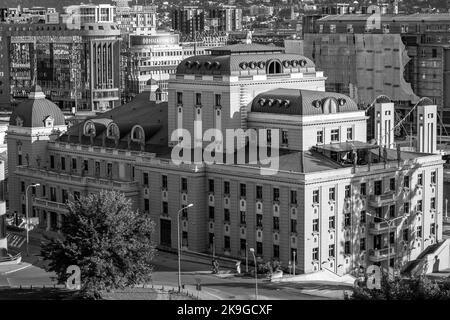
189, 19
224, 18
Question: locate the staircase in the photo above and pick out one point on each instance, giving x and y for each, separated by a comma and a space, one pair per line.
420, 264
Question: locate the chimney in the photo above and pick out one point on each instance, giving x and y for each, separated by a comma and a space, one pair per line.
426, 126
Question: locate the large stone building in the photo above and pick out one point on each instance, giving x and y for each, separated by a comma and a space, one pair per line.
325, 205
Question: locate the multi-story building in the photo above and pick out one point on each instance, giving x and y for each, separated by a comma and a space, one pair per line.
324, 206
225, 18
139, 20
75, 62
403, 56
189, 19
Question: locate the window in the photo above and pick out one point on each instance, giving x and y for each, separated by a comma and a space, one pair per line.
243, 190
184, 239
226, 215
315, 196
85, 165
184, 186
53, 194
347, 220
276, 194
315, 254
165, 207
362, 218
331, 222
269, 136
335, 135
259, 248
274, 67
406, 182
349, 133
179, 98
363, 189
63, 163
211, 239
164, 182
392, 237
243, 244
276, 251
392, 184
433, 228
348, 191
218, 99
145, 178
315, 226
146, 205
419, 232
419, 205
226, 242
294, 225
433, 177
331, 250
405, 235
284, 137
242, 217
392, 211
332, 28
406, 208
198, 99
211, 185
319, 136
293, 196
74, 164
22, 186
420, 179
276, 223
259, 218
347, 247
97, 168
433, 203
259, 194
52, 161
211, 213
377, 187
362, 244
331, 194
226, 187
434, 53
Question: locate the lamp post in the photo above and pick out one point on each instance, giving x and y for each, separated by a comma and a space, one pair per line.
179, 246
246, 256
252, 250
293, 262
26, 214
389, 223
446, 212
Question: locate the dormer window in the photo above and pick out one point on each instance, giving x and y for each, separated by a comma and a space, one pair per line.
19, 122
89, 128
112, 132
330, 106
274, 67
48, 122
137, 134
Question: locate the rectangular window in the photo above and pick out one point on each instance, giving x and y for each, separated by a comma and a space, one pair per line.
331, 250
226, 215
363, 189
146, 205
315, 254
348, 191
211, 213
259, 248
276, 251
184, 239
276, 194
97, 168
226, 187
331, 194
269, 136
419, 232
433, 203
392, 211
362, 218
63, 163
433, 228
198, 99
184, 186
392, 184
64, 195
406, 208
74, 163
315, 196
211, 185
259, 219
377, 187
179, 98
259, 193
243, 244
419, 205
218, 99
405, 234
420, 179
86, 165
392, 237
284, 137
293, 197
19, 160
109, 169
52, 162
349, 133
165, 207
243, 190
315, 225
335, 135
53, 194
320, 136
242, 217
362, 244
211, 239
347, 220
331, 222
406, 182
226, 242
22, 186
293, 225
276, 223
433, 177
347, 247
164, 182
145, 178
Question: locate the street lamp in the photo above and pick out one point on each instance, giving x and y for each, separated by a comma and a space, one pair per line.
26, 214
246, 256
389, 223
252, 250
178, 242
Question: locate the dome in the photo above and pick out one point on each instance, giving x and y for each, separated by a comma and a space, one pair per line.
152, 82
34, 111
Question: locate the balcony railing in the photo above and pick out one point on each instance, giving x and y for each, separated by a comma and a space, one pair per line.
49, 205
381, 200
377, 255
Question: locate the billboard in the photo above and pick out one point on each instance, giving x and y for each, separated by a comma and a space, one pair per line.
167, 39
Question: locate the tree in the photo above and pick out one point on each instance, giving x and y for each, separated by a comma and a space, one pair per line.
420, 288
109, 241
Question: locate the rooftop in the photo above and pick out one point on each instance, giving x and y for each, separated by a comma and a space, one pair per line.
417, 17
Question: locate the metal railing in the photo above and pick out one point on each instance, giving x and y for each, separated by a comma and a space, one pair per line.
11, 258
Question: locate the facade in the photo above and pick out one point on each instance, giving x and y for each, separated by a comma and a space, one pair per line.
322, 206
225, 18
188, 19
403, 56
139, 20
73, 63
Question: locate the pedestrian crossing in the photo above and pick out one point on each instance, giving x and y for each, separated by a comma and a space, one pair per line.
15, 240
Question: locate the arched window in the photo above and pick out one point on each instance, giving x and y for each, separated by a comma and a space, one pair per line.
274, 67
330, 106
137, 133
112, 131
158, 94
89, 128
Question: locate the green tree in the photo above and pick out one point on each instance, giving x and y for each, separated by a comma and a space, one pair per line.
109, 241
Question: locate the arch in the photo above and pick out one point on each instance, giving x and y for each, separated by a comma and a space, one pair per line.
89, 128
158, 94
330, 105
112, 131
274, 67
137, 133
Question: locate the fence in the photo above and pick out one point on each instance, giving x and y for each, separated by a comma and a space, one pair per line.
15, 258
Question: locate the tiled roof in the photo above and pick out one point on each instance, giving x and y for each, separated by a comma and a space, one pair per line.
299, 102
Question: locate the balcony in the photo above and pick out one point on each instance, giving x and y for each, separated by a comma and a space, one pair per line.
381, 254
381, 200
49, 205
376, 228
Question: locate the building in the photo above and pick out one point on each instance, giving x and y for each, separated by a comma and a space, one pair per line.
189, 19
74, 62
322, 206
403, 56
224, 18
138, 20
